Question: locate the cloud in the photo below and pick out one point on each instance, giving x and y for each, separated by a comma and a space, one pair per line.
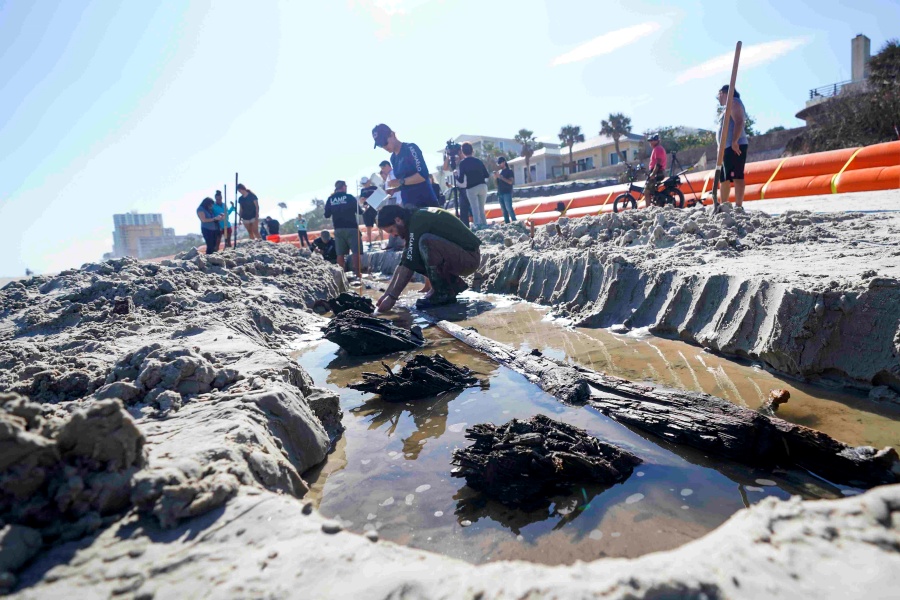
392, 7
606, 43
751, 56
384, 12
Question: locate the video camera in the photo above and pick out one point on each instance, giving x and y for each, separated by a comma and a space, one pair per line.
452, 150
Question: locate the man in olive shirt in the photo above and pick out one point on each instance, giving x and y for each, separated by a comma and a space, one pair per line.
438, 246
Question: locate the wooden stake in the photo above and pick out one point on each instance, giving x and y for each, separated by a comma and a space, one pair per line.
720, 158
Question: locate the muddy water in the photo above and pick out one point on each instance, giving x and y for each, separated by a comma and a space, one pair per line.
391, 470
639, 356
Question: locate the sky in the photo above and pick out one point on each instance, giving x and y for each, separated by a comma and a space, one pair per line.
109, 107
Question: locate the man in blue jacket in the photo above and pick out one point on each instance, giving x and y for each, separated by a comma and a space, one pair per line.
410, 170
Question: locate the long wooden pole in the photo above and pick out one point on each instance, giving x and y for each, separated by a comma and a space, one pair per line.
359, 242
225, 200
234, 241
726, 118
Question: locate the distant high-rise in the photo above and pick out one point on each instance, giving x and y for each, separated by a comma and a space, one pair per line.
142, 235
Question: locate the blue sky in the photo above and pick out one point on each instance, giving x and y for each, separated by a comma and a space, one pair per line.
107, 107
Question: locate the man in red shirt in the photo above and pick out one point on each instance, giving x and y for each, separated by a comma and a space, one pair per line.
657, 167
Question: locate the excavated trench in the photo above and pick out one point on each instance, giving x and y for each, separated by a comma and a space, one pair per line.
390, 472
181, 451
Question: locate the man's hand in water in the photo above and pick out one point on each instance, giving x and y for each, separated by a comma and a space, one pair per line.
385, 303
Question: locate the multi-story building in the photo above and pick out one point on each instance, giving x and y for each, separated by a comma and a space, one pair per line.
505, 145
552, 161
130, 227
142, 235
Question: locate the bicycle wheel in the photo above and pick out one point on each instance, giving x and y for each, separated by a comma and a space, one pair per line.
622, 201
676, 198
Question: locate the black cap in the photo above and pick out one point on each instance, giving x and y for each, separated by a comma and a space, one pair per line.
654, 137
501, 160
339, 183
381, 133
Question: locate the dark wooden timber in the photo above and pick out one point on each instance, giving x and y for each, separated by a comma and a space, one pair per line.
361, 334
349, 301
343, 302
523, 462
710, 424
420, 377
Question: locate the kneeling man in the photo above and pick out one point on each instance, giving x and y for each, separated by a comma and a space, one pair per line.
438, 246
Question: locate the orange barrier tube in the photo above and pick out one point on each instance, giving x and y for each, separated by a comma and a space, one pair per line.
809, 165
877, 155
799, 186
865, 180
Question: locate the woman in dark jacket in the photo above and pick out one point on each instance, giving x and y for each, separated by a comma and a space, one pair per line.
209, 224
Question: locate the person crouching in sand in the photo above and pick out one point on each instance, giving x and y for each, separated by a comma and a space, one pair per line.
438, 246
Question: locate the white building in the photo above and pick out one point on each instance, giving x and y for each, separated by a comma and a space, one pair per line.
506, 145
551, 162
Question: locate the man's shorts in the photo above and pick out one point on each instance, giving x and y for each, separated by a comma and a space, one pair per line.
247, 222
346, 240
369, 217
733, 165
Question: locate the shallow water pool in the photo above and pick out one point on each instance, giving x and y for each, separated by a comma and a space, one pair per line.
391, 472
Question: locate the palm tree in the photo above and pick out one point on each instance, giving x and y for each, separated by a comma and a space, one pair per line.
569, 135
281, 207
529, 145
617, 126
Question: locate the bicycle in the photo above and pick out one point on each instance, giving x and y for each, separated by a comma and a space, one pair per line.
666, 192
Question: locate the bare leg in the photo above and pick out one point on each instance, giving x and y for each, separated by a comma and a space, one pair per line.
426, 289
341, 261
725, 192
739, 192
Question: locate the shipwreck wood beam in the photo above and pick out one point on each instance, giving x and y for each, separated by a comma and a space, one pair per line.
705, 422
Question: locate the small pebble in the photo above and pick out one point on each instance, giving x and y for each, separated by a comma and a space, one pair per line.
307, 508
332, 527
372, 535
423, 488
465, 523
687, 492
596, 535
766, 482
439, 513
634, 498
640, 473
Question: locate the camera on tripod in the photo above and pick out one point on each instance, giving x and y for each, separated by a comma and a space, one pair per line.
452, 150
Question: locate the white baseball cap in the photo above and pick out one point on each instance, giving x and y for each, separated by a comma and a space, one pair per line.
364, 181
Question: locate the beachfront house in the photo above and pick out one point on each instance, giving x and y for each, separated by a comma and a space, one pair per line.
589, 156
